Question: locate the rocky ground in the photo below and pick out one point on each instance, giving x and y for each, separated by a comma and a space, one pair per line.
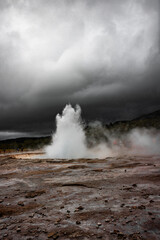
113, 198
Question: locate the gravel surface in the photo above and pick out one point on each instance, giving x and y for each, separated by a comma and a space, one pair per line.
112, 198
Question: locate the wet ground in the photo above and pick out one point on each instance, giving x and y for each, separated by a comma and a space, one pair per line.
113, 198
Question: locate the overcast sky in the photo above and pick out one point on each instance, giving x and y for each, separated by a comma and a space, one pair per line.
101, 54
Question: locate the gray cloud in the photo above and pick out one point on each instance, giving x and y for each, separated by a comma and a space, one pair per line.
103, 55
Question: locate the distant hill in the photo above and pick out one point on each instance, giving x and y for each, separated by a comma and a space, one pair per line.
24, 144
97, 133
151, 120
153, 115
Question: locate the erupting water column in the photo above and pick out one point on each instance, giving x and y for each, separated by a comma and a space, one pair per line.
69, 139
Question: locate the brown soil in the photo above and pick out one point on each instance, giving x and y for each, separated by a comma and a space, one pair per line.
112, 198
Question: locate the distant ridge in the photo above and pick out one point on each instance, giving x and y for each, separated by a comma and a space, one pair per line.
151, 120
155, 114
24, 144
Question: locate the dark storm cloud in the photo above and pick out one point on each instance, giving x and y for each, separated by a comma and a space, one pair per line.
103, 55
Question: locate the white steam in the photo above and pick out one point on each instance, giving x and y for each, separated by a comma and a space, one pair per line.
144, 142
70, 141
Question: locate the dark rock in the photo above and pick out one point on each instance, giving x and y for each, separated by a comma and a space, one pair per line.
80, 208
120, 235
128, 221
127, 188
107, 220
141, 207
18, 229
134, 185
21, 203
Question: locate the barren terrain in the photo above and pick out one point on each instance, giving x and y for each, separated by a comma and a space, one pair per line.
113, 198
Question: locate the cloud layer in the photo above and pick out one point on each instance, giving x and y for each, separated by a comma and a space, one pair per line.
103, 55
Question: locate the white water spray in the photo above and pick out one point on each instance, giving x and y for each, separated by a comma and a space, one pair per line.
69, 141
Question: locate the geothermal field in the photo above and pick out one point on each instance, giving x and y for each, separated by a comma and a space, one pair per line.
79, 119
81, 187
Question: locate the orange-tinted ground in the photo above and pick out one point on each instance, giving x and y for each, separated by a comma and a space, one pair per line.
113, 198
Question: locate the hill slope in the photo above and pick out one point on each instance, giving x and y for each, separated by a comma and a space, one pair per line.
151, 120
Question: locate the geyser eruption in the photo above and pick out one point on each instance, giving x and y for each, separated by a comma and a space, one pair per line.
69, 140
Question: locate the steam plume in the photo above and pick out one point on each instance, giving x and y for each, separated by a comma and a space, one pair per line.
70, 141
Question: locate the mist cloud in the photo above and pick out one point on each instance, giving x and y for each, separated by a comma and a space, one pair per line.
71, 141
101, 54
